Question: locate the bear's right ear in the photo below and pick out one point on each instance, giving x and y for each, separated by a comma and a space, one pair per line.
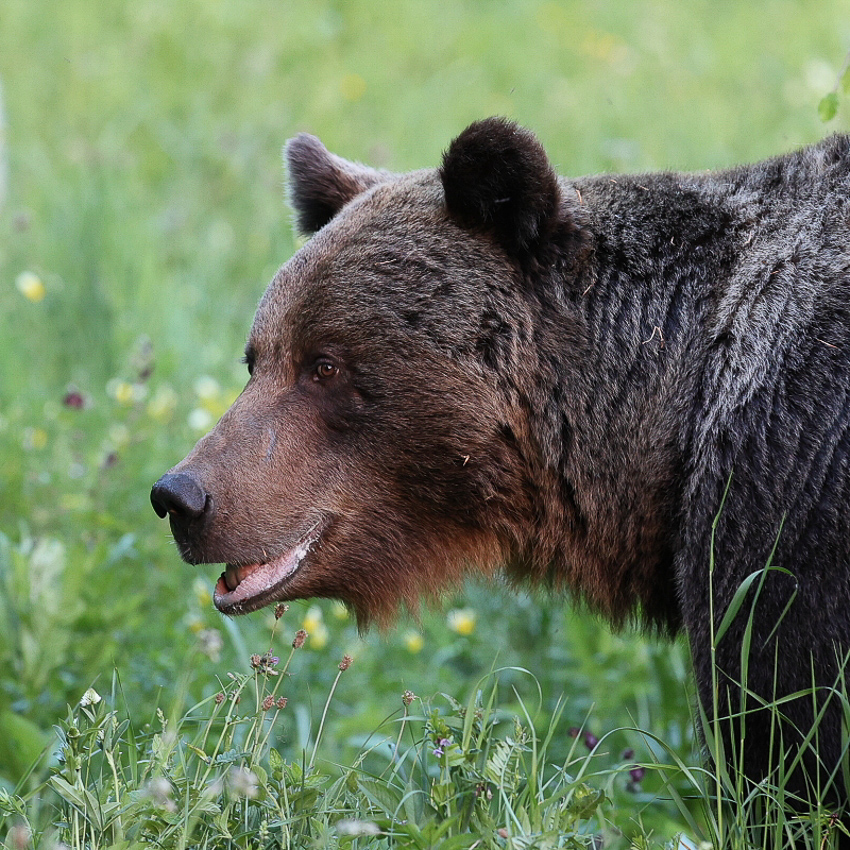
321, 183
497, 178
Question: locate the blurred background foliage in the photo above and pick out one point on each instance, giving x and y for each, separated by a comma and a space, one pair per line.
141, 215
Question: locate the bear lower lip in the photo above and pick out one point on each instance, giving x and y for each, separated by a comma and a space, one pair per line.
247, 587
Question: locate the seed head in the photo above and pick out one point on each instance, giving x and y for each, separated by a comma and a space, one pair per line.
298, 640
268, 703
407, 698
280, 609
219, 698
346, 662
281, 702
265, 664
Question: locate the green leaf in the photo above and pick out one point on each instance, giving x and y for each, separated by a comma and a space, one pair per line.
385, 797
845, 80
276, 764
21, 743
828, 106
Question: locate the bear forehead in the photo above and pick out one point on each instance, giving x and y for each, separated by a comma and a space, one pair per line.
391, 258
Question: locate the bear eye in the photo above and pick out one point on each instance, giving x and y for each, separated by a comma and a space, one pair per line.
325, 370
248, 360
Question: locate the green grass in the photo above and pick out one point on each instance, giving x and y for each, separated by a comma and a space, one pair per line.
141, 183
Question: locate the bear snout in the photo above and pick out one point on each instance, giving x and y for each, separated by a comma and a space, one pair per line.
179, 495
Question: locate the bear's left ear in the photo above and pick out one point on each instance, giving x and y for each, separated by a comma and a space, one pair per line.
497, 177
321, 183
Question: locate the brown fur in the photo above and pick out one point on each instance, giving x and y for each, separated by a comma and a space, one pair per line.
485, 367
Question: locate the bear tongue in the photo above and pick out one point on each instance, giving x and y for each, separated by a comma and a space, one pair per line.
238, 585
234, 575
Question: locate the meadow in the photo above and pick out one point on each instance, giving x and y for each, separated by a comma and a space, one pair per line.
142, 213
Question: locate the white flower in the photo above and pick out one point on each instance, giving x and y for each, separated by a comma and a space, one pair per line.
90, 697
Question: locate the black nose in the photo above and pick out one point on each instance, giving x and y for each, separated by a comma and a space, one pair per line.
178, 494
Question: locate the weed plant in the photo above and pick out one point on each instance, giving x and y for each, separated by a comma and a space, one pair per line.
141, 215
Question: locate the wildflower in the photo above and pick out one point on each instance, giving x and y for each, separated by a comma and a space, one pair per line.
357, 828
19, 837
407, 698
219, 698
211, 643
637, 773
200, 419
590, 740
345, 663
74, 399
242, 782
90, 697
440, 749
35, 438
574, 731
30, 286
462, 621
280, 609
298, 640
265, 664
202, 592
413, 641
119, 435
159, 791
207, 388
268, 703
315, 627
281, 702
126, 393
628, 754
162, 405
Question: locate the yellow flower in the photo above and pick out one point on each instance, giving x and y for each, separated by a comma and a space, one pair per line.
462, 621
413, 641
313, 618
30, 286
121, 391
319, 637
35, 438
315, 626
202, 592
163, 404
119, 435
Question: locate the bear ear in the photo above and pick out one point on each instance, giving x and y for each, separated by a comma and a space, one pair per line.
497, 177
321, 183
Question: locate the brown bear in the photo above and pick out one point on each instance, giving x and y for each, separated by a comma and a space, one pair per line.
634, 388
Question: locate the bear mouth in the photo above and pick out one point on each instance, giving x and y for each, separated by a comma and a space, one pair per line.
243, 588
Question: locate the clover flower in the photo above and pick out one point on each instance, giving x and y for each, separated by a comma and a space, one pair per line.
30, 285
413, 641
90, 697
462, 621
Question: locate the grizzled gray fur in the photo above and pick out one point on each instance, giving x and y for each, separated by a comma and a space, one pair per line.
487, 367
